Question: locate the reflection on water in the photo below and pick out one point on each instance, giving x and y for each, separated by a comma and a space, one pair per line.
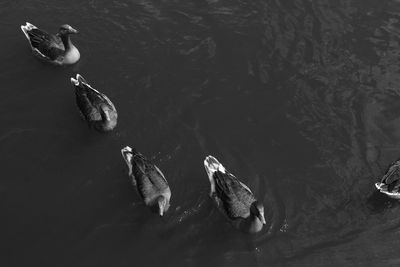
299, 98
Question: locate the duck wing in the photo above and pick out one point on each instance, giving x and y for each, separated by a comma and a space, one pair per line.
84, 99
85, 105
391, 180
150, 180
48, 45
98, 99
89, 100
235, 197
95, 97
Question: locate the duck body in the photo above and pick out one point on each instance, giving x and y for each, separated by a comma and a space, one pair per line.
390, 183
148, 179
233, 198
95, 107
57, 49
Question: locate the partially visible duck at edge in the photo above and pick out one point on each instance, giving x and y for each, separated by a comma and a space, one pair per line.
95, 107
233, 198
148, 179
57, 49
390, 182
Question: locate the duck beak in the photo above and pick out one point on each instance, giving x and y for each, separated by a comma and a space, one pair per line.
262, 219
72, 30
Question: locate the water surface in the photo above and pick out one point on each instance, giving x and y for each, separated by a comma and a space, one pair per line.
298, 98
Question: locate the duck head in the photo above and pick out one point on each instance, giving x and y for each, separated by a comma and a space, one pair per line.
163, 205
257, 210
66, 29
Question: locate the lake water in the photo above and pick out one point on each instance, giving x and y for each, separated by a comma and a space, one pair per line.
298, 98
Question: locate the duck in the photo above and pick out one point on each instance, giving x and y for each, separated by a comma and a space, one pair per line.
148, 179
390, 182
57, 49
233, 198
95, 107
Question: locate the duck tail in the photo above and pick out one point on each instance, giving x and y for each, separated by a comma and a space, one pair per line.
382, 187
212, 165
78, 80
27, 28
129, 150
379, 186
81, 83
127, 154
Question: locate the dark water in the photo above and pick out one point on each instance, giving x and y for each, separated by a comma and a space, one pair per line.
299, 98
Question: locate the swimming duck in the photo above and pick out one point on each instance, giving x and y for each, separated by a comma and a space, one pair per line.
148, 179
57, 49
233, 198
390, 183
94, 106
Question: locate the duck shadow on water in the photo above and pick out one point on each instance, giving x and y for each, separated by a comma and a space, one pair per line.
84, 134
379, 203
202, 233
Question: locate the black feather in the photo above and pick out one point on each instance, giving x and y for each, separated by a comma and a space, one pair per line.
235, 198
49, 45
